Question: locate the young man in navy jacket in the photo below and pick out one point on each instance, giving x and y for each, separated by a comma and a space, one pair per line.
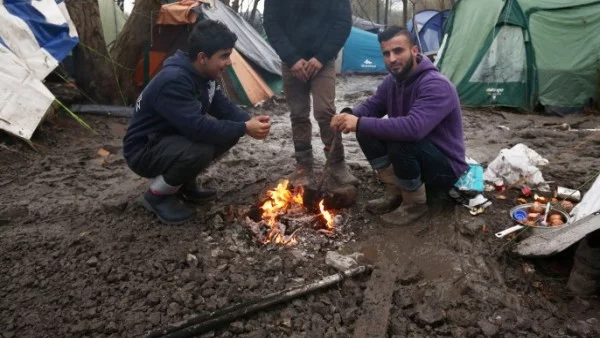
171, 137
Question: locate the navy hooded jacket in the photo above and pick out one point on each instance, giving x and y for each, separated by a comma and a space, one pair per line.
303, 29
177, 102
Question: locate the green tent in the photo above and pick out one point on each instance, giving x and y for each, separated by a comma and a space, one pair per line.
520, 53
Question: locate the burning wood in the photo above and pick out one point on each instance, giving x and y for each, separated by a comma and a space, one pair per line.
283, 214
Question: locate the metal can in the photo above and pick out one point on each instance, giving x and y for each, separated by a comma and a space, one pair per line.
567, 194
499, 185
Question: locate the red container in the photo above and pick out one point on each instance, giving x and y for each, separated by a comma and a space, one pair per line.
499, 185
526, 191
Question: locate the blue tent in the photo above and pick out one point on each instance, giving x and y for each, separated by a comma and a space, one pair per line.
361, 53
430, 25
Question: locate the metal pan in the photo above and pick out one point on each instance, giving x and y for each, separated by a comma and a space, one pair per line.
535, 227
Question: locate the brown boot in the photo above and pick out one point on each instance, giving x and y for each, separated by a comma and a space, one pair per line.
303, 174
414, 206
392, 197
341, 174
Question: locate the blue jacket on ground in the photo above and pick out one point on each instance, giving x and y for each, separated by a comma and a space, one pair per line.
178, 101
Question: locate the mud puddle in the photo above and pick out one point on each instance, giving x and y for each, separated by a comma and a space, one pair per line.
400, 246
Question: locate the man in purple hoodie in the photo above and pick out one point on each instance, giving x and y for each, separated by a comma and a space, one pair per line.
421, 141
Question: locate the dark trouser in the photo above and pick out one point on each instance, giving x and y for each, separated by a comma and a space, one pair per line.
414, 163
176, 158
297, 93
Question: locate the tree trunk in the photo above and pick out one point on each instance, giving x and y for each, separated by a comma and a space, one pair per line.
130, 44
235, 5
253, 13
405, 12
378, 3
387, 7
94, 73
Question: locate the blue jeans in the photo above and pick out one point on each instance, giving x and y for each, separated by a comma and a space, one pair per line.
414, 163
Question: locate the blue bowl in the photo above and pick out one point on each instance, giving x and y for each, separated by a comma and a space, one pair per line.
519, 215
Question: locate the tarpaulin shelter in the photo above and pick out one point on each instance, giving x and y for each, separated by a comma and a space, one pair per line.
430, 28
256, 70
366, 25
35, 36
521, 53
361, 54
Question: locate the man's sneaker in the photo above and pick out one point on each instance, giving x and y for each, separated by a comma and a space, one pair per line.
167, 208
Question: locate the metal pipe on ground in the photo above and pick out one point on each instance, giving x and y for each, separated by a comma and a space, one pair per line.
204, 323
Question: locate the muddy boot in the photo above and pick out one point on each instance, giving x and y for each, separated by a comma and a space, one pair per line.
192, 192
341, 175
304, 174
413, 207
584, 279
392, 197
167, 208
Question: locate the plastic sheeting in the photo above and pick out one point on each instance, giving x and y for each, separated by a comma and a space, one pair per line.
589, 204
249, 43
35, 36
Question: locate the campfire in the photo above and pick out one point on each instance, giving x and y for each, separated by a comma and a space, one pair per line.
280, 217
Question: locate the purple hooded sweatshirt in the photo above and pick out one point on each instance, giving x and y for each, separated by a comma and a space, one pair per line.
424, 106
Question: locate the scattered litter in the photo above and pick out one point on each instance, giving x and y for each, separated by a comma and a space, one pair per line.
504, 127
567, 194
501, 197
103, 152
526, 191
340, 262
519, 163
522, 200
477, 211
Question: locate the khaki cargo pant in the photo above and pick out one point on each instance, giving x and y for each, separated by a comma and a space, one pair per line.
298, 94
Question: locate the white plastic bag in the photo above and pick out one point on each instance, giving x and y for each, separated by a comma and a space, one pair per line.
515, 163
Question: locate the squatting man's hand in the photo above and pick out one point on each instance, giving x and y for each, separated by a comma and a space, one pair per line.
258, 127
344, 122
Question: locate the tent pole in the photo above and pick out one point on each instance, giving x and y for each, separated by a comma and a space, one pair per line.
416, 28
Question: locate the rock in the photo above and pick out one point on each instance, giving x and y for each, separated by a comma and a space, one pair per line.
92, 262
274, 264
427, 315
488, 329
218, 223
411, 274
320, 308
579, 329
339, 262
154, 319
472, 228
192, 260
236, 327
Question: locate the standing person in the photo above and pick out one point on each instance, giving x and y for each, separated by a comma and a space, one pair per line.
171, 138
308, 35
421, 142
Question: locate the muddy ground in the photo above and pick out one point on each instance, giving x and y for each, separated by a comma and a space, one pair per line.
80, 257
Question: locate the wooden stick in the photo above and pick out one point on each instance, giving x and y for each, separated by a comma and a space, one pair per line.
204, 323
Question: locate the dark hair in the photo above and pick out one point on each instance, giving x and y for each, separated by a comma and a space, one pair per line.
393, 31
209, 36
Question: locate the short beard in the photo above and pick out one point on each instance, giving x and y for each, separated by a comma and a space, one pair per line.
405, 72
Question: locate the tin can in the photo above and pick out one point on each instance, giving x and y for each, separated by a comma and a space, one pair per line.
499, 184
567, 194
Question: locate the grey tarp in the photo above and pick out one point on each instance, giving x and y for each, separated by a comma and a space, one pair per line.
249, 43
366, 25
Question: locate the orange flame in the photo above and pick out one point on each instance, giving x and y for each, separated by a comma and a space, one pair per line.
280, 200
326, 214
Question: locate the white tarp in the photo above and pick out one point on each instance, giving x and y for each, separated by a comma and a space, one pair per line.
35, 36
